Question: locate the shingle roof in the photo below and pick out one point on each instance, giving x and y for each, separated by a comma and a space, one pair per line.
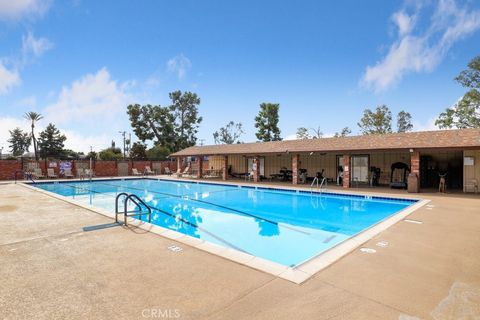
461, 138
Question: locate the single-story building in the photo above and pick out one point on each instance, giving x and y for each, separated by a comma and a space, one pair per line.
419, 159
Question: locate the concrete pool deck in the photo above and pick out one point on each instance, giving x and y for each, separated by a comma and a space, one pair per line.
51, 268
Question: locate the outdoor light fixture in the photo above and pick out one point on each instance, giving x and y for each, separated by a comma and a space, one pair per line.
311, 153
411, 150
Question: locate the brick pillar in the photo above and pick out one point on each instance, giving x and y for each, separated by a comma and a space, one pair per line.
256, 171
200, 167
225, 168
179, 163
295, 165
346, 171
414, 176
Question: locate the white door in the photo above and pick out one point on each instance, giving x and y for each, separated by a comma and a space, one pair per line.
262, 166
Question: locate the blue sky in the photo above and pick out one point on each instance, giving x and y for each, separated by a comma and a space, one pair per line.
80, 63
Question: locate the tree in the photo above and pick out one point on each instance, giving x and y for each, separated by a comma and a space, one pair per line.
378, 122
345, 132
229, 134
19, 142
153, 123
111, 153
92, 155
51, 141
267, 122
185, 110
302, 133
138, 151
158, 153
70, 154
466, 112
404, 122
317, 133
34, 117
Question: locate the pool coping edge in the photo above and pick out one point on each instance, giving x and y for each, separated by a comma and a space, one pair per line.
297, 274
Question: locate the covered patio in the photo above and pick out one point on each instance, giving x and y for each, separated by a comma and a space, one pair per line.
413, 161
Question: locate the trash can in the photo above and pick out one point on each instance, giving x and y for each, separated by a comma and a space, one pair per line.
413, 183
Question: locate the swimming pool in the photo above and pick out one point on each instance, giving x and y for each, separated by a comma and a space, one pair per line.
287, 227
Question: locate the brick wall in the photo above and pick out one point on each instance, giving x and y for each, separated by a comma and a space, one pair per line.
8, 168
106, 168
101, 168
140, 165
346, 170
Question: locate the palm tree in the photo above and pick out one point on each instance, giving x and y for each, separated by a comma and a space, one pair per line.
34, 117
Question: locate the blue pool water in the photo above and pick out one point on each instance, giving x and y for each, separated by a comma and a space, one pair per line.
279, 225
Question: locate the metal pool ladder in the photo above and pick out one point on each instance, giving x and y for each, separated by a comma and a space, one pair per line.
320, 185
139, 203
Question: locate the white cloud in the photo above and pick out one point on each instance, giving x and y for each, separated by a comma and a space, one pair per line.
35, 46
17, 9
292, 136
79, 142
421, 52
94, 97
428, 125
8, 79
404, 22
179, 65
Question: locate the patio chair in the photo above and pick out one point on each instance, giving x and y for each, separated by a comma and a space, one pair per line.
67, 173
51, 174
135, 172
168, 171
37, 173
148, 171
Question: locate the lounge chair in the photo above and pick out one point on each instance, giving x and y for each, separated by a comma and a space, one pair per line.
89, 173
51, 174
148, 171
186, 172
67, 173
37, 173
178, 174
135, 172
81, 173
168, 171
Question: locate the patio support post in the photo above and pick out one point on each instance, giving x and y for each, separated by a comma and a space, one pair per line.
179, 163
346, 171
225, 168
200, 167
414, 176
256, 169
295, 164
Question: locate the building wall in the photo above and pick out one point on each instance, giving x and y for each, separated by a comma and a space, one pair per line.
471, 172
313, 163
